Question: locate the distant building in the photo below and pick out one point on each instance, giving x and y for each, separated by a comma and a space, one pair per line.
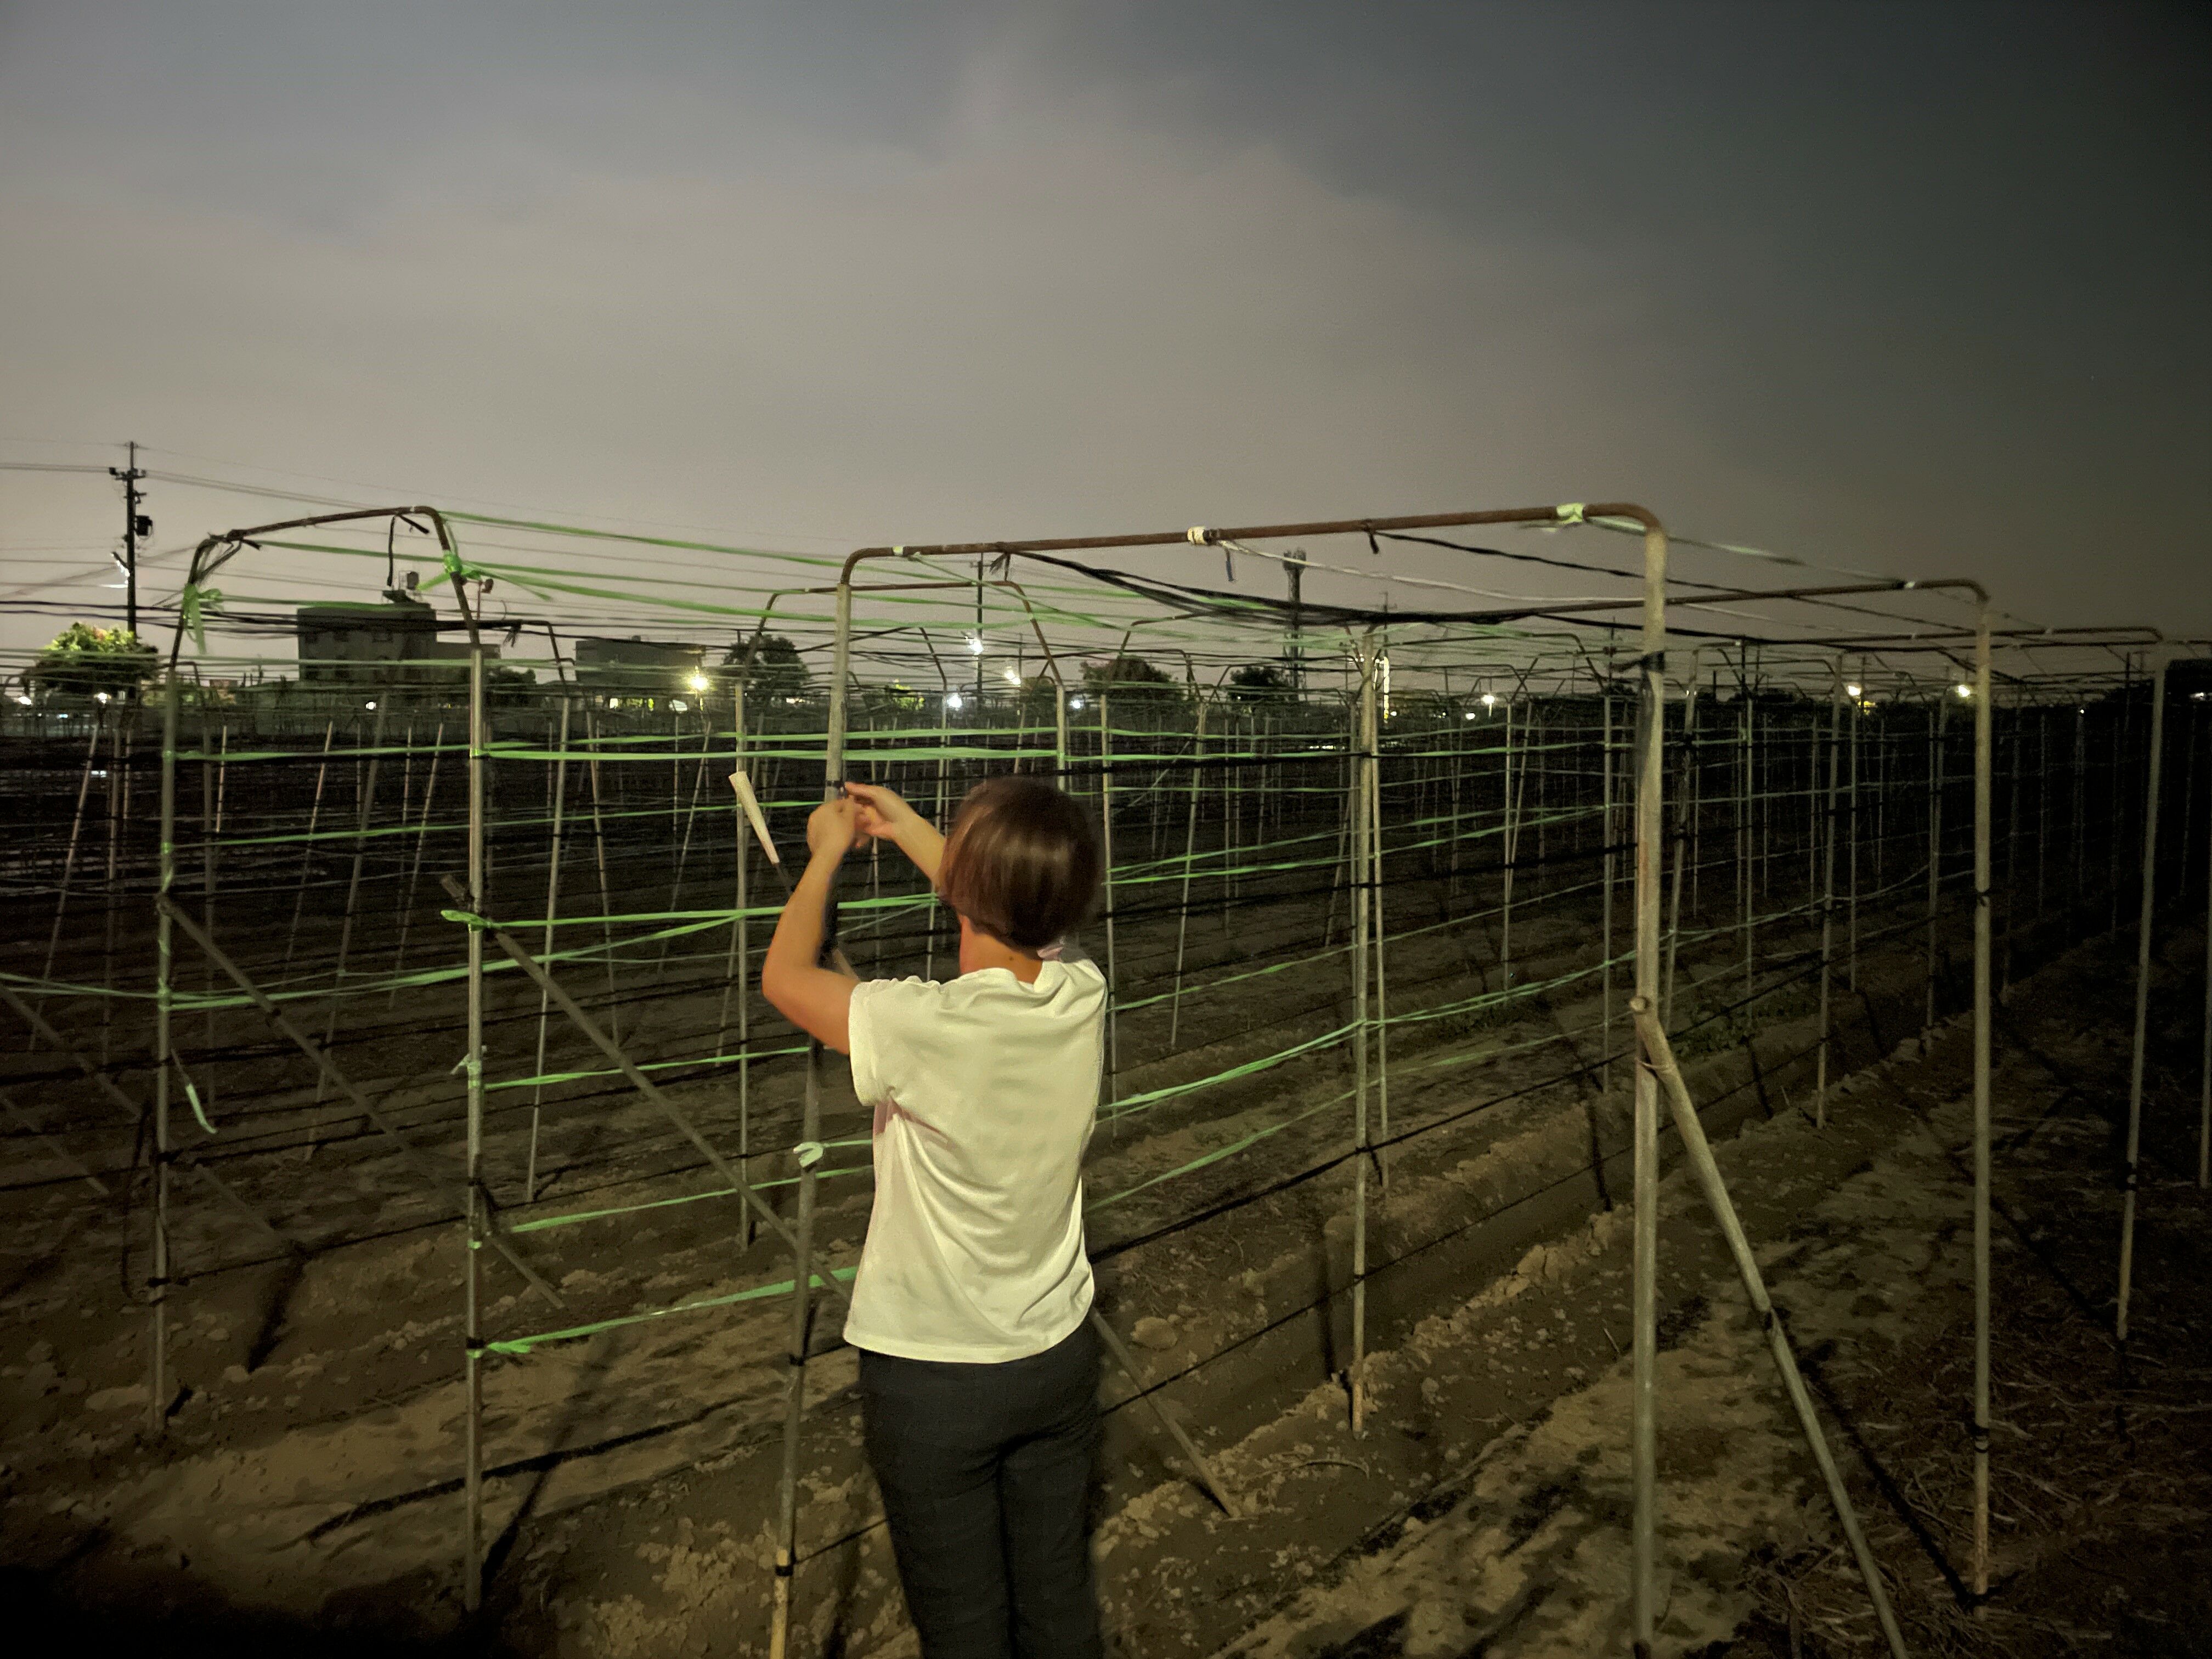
392, 643
637, 667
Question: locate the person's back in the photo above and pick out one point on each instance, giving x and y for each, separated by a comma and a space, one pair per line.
979, 1373
984, 1091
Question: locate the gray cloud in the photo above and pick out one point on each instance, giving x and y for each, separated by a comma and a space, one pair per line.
1917, 287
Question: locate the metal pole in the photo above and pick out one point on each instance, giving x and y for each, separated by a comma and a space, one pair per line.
2142, 995
1650, 788
1983, 724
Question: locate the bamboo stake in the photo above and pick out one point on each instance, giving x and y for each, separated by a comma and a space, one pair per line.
364, 808
2143, 996
99, 729
1660, 1059
1983, 720
1828, 903
165, 1056
473, 1064
414, 865
1106, 884
1604, 843
307, 848
545, 948
1362, 920
1190, 863
1651, 820
1937, 719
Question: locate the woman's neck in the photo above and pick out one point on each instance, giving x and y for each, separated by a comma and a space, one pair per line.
979, 951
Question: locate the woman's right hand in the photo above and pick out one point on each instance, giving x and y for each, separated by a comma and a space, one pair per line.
884, 814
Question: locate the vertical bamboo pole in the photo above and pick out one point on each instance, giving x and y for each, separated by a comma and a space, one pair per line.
472, 1060
802, 1305
1605, 841
1106, 884
1936, 720
1851, 833
307, 848
165, 1055
1643, 1424
2143, 933
2081, 822
1828, 902
737, 976
599, 850
99, 729
1984, 723
415, 864
1743, 810
1362, 921
365, 808
2204, 1064
1380, 935
1510, 838
118, 783
1189, 864
545, 948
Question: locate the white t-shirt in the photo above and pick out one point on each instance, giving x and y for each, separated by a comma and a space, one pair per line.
985, 1090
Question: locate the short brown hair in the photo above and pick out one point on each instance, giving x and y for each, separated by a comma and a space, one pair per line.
1021, 863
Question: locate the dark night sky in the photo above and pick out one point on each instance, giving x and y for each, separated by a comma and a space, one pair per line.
1920, 287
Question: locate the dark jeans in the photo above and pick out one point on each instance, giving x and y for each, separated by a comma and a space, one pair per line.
985, 1477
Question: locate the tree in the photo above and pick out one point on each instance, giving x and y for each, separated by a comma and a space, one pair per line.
1259, 682
771, 667
85, 661
1127, 676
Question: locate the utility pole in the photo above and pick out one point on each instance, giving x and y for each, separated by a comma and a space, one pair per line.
134, 525
1294, 566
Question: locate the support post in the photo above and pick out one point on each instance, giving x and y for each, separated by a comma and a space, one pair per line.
2143, 933
1828, 902
1984, 723
165, 1057
1643, 1423
1362, 920
472, 1199
1660, 1055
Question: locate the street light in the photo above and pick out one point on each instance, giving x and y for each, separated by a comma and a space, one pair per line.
1962, 689
698, 682
953, 701
974, 645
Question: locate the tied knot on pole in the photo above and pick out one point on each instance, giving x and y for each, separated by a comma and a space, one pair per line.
459, 569
192, 606
809, 1153
1570, 513
470, 920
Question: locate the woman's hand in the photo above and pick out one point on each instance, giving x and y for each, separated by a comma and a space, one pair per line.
887, 817
833, 828
883, 813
